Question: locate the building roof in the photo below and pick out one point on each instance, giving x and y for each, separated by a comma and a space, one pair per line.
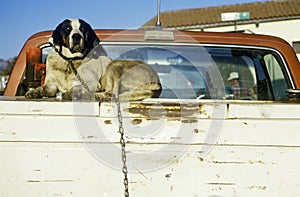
211, 16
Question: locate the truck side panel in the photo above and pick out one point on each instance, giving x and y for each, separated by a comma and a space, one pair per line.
218, 148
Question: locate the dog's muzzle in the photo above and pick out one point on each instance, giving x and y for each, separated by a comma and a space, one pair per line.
76, 43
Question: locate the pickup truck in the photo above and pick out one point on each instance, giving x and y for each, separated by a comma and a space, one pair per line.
201, 137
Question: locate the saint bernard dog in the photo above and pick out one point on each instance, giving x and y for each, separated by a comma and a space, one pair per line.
76, 69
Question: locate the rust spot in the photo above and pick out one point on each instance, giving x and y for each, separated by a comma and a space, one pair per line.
58, 180
175, 138
199, 131
107, 122
189, 121
253, 162
227, 162
171, 111
91, 136
221, 183
227, 108
8, 133
201, 158
136, 121
33, 181
168, 175
237, 162
37, 110
258, 187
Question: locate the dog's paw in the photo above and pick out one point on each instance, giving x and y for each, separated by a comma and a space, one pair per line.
30, 94
35, 93
103, 96
66, 96
78, 93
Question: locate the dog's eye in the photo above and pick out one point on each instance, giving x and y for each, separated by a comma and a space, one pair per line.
68, 28
82, 29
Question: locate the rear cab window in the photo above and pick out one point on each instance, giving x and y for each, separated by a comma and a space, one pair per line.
205, 71
194, 71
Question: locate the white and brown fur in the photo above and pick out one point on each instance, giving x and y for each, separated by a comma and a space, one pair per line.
75, 42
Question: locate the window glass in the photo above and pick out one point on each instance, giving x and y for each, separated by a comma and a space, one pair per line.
211, 72
277, 77
45, 51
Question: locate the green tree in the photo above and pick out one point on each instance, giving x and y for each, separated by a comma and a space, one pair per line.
9, 66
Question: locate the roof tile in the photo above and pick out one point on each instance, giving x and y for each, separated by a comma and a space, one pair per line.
212, 15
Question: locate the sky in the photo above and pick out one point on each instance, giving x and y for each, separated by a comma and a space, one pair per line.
20, 19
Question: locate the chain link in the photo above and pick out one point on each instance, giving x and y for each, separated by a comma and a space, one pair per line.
123, 147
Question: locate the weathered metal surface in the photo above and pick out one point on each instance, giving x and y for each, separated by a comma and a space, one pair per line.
203, 148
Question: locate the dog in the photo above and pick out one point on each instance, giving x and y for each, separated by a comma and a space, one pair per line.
77, 70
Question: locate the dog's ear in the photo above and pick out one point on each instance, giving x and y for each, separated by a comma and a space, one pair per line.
57, 37
92, 39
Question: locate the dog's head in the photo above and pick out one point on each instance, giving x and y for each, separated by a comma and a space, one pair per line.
74, 38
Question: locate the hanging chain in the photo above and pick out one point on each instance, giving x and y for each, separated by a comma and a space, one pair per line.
123, 146
121, 128
73, 69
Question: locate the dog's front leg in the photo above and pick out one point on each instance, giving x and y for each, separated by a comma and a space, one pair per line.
42, 91
50, 90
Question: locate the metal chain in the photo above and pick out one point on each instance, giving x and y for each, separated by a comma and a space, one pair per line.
123, 146
73, 69
121, 129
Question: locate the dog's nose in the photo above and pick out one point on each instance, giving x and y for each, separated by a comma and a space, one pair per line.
76, 37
